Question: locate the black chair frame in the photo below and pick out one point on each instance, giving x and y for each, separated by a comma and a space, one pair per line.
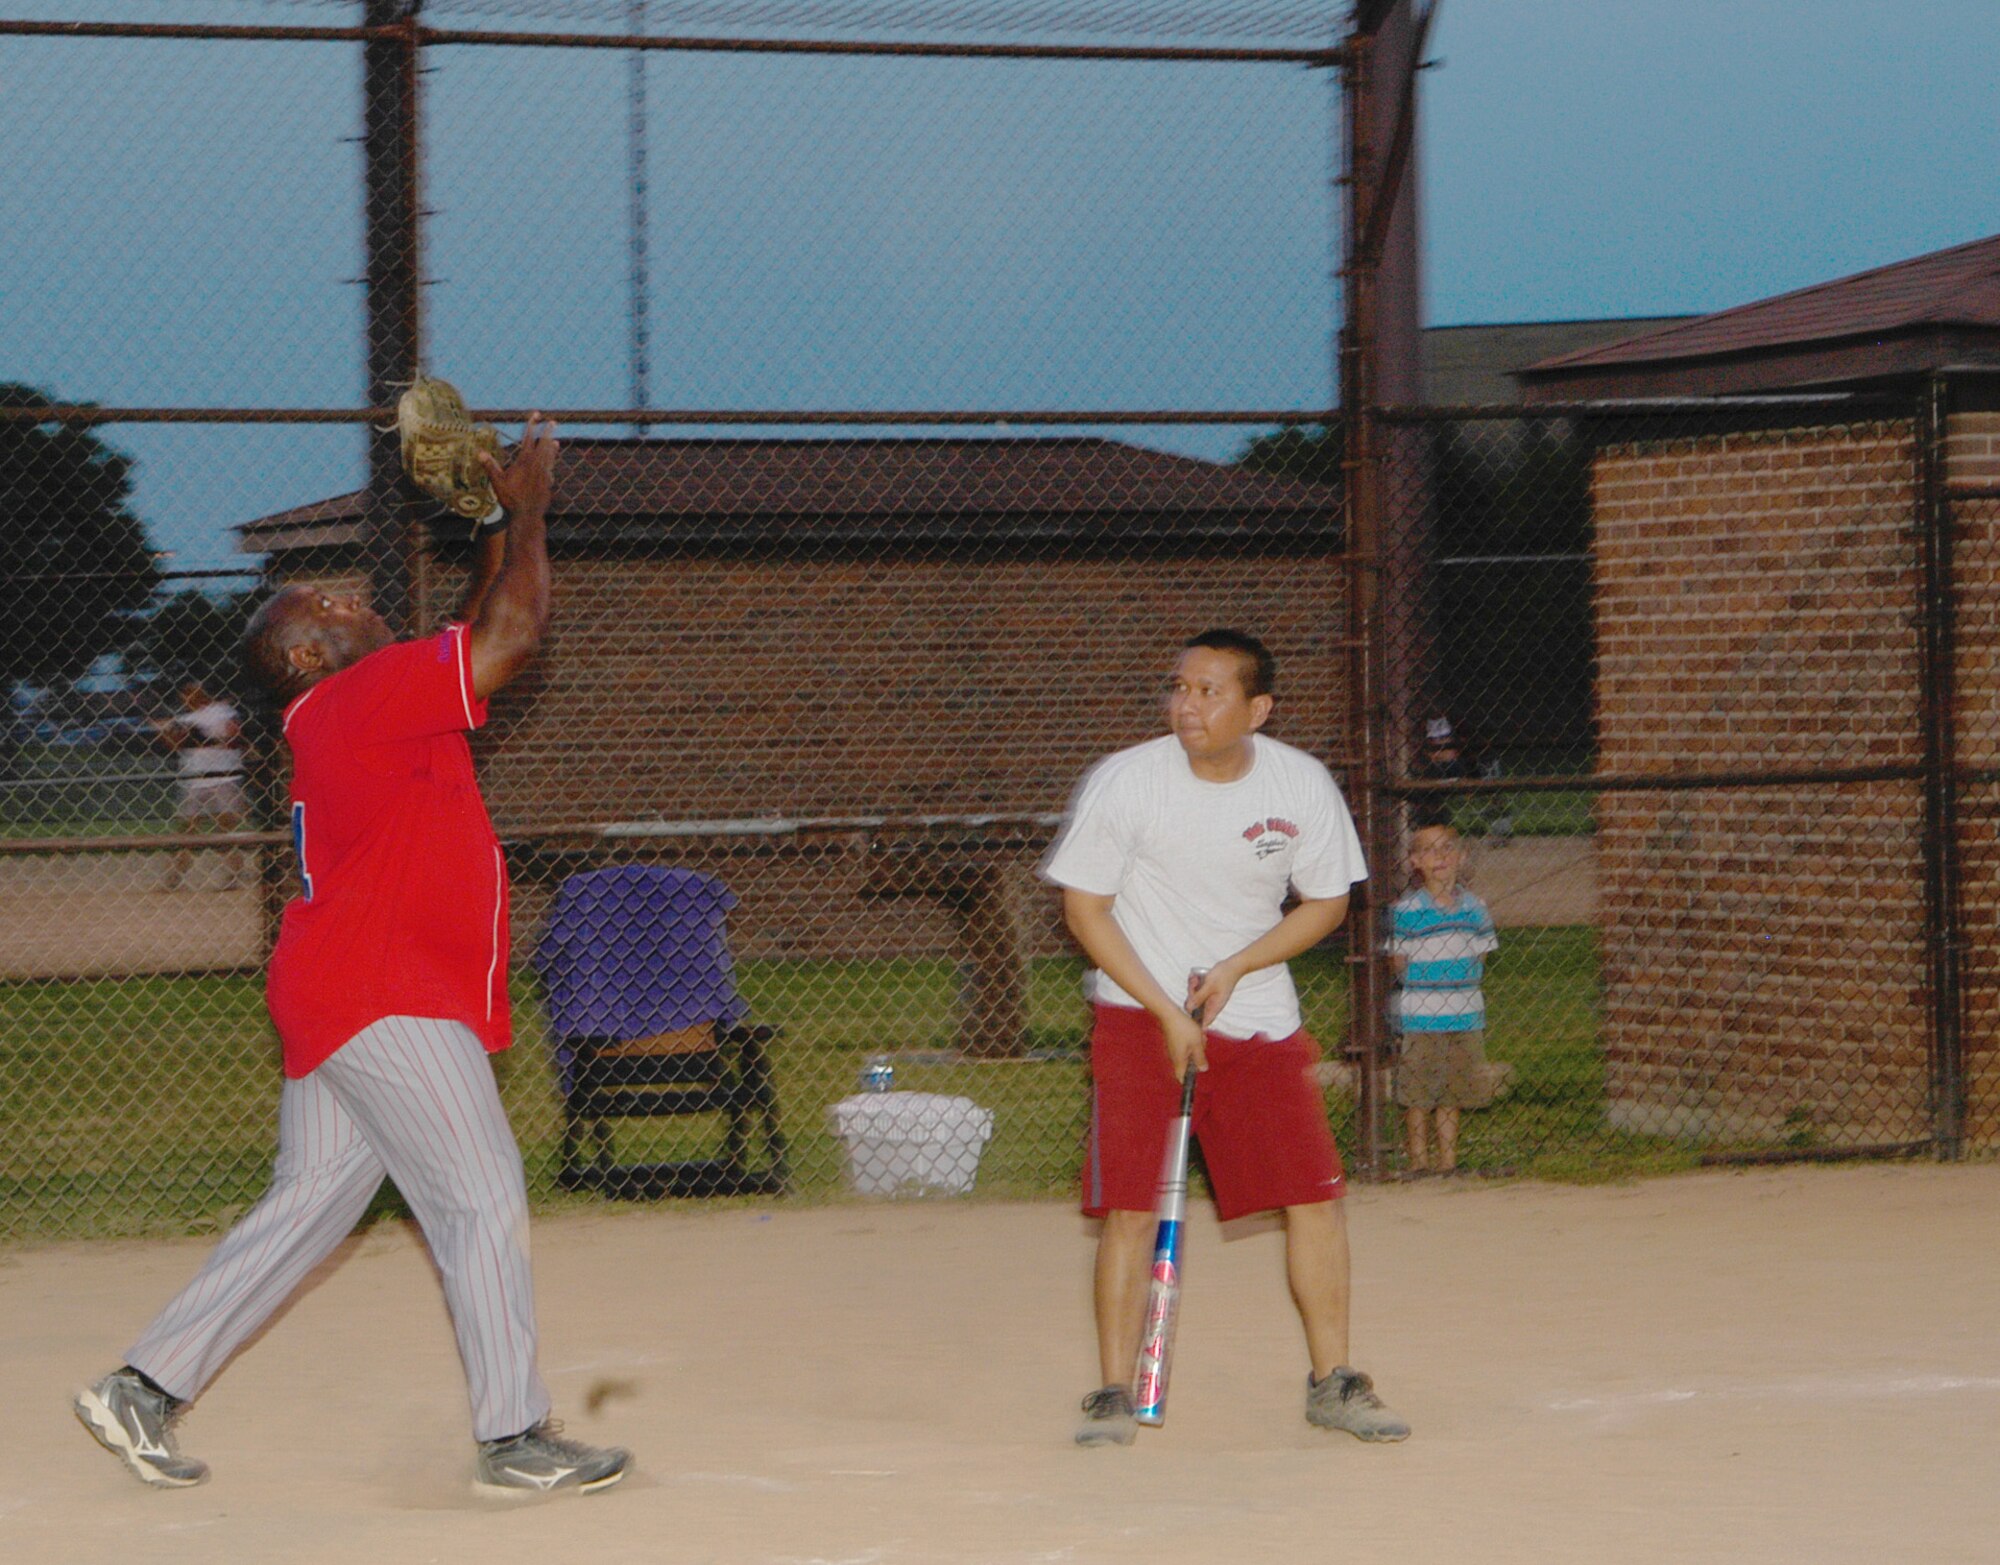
732, 1079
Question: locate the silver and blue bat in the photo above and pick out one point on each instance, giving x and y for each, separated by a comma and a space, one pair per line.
1163, 1293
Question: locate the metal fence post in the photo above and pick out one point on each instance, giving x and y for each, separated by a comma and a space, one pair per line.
1378, 363
1938, 656
1362, 514
392, 153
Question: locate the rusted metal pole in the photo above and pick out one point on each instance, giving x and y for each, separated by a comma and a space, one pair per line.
492, 38
391, 153
1937, 620
1361, 501
638, 216
1386, 541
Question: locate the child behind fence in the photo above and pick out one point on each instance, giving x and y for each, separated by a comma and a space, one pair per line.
1441, 934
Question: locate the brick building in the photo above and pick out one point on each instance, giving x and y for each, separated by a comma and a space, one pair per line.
858, 678
1758, 585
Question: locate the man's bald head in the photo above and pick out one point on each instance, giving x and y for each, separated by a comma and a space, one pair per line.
301, 634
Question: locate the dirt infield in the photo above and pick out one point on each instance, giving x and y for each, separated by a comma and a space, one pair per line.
1537, 880
1764, 1366
108, 915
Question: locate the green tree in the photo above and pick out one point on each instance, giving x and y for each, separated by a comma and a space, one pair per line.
192, 635
1310, 452
76, 560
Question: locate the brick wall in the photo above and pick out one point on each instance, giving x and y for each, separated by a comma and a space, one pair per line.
702, 689
1762, 951
1972, 451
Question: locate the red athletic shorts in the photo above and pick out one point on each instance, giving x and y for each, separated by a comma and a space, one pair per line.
1258, 1115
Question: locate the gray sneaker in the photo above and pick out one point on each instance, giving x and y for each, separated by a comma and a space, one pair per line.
1107, 1418
136, 1423
540, 1461
1346, 1399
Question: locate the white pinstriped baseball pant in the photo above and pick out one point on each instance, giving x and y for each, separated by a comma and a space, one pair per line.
415, 1100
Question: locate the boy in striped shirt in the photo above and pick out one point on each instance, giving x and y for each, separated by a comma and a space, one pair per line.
1440, 936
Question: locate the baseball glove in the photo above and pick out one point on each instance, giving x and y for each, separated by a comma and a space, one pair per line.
441, 450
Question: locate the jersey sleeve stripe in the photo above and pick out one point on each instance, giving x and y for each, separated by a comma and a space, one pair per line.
493, 964
462, 658
293, 710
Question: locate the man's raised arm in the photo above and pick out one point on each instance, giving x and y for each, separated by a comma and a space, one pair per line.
507, 604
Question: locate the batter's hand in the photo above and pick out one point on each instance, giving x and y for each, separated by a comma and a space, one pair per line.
1207, 996
1187, 1044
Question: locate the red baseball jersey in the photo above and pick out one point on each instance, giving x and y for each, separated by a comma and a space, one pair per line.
402, 905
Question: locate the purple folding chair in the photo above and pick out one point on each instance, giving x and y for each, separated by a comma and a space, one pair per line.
641, 996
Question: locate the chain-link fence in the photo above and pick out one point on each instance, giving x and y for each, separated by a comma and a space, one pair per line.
915, 410
902, 380
1684, 684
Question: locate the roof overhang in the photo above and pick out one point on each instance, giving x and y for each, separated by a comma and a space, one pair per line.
1831, 363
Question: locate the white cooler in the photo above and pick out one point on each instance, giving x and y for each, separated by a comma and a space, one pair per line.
916, 1142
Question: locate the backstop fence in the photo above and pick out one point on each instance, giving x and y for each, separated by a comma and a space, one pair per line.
915, 409
1703, 686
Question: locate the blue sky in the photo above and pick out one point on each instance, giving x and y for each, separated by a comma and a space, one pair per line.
907, 234
1626, 157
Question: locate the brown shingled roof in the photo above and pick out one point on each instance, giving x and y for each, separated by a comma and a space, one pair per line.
1919, 314
683, 488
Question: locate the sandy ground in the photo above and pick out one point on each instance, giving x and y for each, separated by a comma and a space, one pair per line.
107, 915
1750, 1366
96, 915
1537, 880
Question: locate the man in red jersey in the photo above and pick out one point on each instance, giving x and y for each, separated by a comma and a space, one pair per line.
388, 988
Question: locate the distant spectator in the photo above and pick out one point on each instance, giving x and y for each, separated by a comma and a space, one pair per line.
1441, 935
1446, 757
206, 737
1442, 758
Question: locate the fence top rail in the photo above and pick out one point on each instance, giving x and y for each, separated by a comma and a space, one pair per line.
1647, 407
784, 826
421, 35
1653, 782
601, 831
884, 418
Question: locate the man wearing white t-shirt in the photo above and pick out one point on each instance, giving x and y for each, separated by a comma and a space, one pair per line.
1175, 864
206, 737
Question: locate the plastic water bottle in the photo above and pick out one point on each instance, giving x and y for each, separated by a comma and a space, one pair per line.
878, 1075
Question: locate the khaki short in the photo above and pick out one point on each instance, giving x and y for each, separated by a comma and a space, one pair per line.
1443, 1070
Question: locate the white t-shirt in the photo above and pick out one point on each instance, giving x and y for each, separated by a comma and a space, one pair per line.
210, 755
1199, 869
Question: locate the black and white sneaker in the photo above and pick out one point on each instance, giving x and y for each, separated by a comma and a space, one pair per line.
541, 1461
136, 1423
1107, 1418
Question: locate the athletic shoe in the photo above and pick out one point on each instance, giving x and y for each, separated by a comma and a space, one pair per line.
133, 1421
1346, 1399
1107, 1418
540, 1461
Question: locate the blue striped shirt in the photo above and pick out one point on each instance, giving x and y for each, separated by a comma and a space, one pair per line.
1446, 950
